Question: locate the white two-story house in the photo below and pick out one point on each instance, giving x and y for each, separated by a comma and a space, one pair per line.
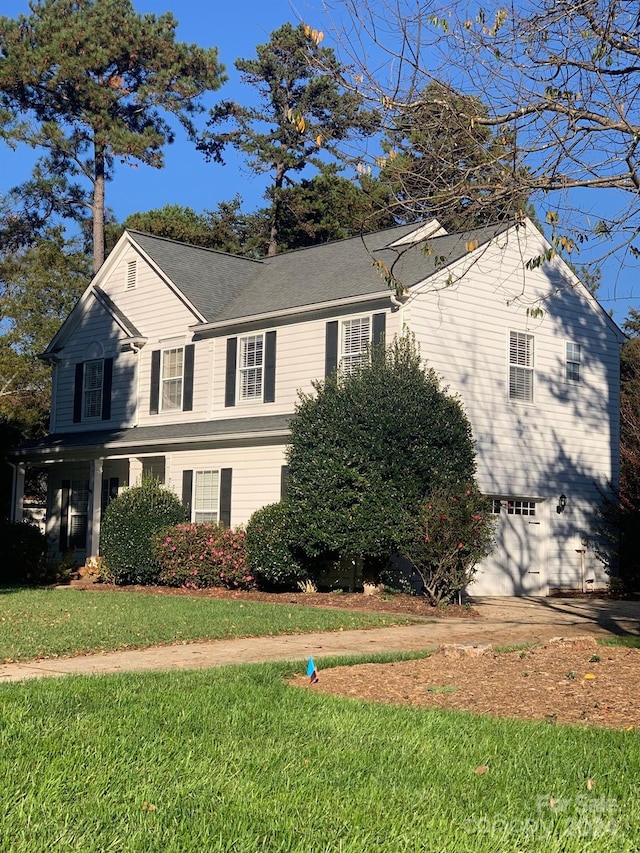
187, 363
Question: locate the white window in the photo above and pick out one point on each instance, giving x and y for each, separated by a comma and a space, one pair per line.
251, 367
572, 362
92, 389
132, 272
354, 343
171, 383
206, 498
520, 366
78, 513
513, 507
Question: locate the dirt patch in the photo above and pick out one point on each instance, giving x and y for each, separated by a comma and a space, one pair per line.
398, 603
569, 681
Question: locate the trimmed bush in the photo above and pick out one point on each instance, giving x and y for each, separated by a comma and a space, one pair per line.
196, 556
24, 550
453, 532
130, 523
270, 551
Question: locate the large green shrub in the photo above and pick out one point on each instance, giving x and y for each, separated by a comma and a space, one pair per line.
270, 550
367, 449
24, 553
196, 556
130, 523
450, 535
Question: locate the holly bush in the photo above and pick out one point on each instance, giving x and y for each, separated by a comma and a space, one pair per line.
270, 550
130, 522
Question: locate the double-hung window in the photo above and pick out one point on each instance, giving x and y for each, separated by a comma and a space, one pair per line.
92, 383
172, 379
206, 497
78, 513
354, 343
572, 362
521, 352
251, 368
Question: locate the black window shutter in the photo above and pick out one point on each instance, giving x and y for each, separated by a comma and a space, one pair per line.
270, 367
230, 381
107, 381
187, 491
77, 394
331, 348
154, 405
284, 481
187, 396
64, 515
225, 496
379, 325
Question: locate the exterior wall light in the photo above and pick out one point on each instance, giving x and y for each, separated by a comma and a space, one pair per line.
562, 502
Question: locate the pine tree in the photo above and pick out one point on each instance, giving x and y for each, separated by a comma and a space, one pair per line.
88, 81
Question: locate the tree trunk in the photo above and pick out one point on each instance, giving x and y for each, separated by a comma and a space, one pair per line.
275, 211
98, 209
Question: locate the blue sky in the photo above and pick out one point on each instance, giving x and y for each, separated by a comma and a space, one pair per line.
235, 28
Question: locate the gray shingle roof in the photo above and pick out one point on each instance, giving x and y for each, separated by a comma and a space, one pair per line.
228, 287
68, 444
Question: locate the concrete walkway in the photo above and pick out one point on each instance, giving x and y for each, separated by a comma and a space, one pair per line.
501, 621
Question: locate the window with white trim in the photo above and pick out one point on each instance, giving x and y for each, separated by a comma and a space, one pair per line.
206, 497
513, 507
92, 384
572, 362
251, 367
521, 351
171, 381
355, 340
78, 513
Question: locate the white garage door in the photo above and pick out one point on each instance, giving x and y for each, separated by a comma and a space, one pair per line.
515, 567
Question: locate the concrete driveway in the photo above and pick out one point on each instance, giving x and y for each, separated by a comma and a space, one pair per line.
501, 621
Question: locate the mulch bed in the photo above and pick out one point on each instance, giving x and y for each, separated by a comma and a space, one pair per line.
566, 681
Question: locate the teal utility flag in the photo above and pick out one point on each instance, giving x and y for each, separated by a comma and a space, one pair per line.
312, 672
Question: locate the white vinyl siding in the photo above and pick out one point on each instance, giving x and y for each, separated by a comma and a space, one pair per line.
572, 362
251, 368
520, 366
92, 390
354, 343
172, 379
206, 497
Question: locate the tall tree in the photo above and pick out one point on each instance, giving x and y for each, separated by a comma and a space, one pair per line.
38, 287
303, 114
89, 81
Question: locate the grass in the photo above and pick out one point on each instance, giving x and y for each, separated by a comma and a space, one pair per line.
629, 641
54, 622
233, 759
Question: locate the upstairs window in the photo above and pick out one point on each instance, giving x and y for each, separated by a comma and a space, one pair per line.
354, 343
172, 379
521, 348
251, 367
572, 362
92, 389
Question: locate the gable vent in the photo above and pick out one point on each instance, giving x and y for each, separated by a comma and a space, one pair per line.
132, 269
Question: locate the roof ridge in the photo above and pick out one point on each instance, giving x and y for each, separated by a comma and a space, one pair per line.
175, 242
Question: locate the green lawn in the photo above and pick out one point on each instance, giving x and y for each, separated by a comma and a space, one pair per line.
52, 622
232, 759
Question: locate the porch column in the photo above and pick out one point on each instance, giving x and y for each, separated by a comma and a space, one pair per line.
94, 508
17, 493
135, 471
